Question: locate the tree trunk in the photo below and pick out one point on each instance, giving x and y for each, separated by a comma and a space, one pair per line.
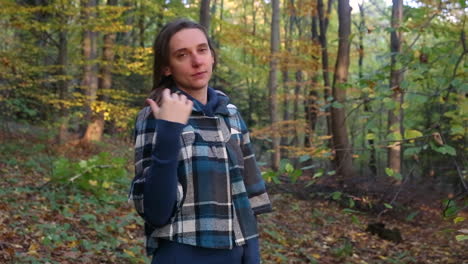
95, 127
288, 35
396, 76
343, 156
297, 89
311, 108
205, 14
141, 26
63, 85
273, 82
105, 76
297, 102
323, 26
362, 30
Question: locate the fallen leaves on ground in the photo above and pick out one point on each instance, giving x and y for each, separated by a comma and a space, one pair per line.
318, 231
47, 223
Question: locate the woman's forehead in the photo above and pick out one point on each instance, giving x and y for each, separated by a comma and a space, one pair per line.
187, 38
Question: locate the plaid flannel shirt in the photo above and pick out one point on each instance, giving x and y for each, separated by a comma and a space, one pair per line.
220, 187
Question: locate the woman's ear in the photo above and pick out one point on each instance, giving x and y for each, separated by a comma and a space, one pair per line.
167, 71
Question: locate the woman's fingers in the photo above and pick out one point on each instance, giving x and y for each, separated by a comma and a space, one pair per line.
174, 107
154, 107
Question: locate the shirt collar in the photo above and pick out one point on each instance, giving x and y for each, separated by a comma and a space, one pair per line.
216, 104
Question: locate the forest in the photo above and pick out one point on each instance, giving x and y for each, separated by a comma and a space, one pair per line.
357, 110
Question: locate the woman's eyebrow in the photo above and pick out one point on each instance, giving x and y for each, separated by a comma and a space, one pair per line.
201, 45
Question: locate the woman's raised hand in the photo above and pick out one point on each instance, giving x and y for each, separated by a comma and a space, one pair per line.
174, 107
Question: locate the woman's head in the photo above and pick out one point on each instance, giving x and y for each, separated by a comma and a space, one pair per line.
161, 51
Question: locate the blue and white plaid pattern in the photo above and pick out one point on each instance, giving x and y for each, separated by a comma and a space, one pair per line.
220, 187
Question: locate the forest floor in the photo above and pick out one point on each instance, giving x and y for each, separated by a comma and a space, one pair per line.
45, 222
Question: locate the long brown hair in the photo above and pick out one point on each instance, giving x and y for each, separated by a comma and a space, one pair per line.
161, 53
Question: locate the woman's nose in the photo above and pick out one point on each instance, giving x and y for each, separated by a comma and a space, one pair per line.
196, 60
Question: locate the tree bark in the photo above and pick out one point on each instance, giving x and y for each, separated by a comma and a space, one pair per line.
367, 108
395, 116
297, 89
141, 26
89, 82
343, 156
288, 29
63, 84
105, 76
205, 14
323, 26
273, 82
311, 108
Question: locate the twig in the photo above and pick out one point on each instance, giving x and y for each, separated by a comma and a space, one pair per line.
88, 169
460, 174
398, 192
76, 176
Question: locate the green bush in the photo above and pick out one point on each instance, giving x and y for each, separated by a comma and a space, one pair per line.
97, 174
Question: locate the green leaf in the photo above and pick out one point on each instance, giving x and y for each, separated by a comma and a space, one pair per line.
394, 136
308, 167
389, 172
370, 136
412, 151
318, 174
276, 180
336, 196
411, 133
83, 163
457, 130
445, 149
389, 206
350, 211
355, 220
295, 175
337, 104
398, 176
458, 219
289, 168
304, 158
411, 216
460, 238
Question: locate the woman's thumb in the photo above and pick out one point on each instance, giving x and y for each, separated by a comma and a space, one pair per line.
154, 106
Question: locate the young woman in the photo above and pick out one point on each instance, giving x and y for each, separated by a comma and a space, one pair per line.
197, 184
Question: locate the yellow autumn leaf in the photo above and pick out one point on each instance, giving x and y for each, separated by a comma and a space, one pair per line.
32, 250
92, 182
129, 252
106, 185
72, 244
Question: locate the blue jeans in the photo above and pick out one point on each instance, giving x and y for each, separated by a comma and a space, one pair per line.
175, 253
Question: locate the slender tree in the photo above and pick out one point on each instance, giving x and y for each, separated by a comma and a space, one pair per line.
395, 116
272, 79
285, 64
323, 17
362, 29
311, 108
205, 14
62, 59
90, 72
105, 76
343, 157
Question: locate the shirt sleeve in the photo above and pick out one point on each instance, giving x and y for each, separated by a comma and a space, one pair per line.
254, 183
155, 190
